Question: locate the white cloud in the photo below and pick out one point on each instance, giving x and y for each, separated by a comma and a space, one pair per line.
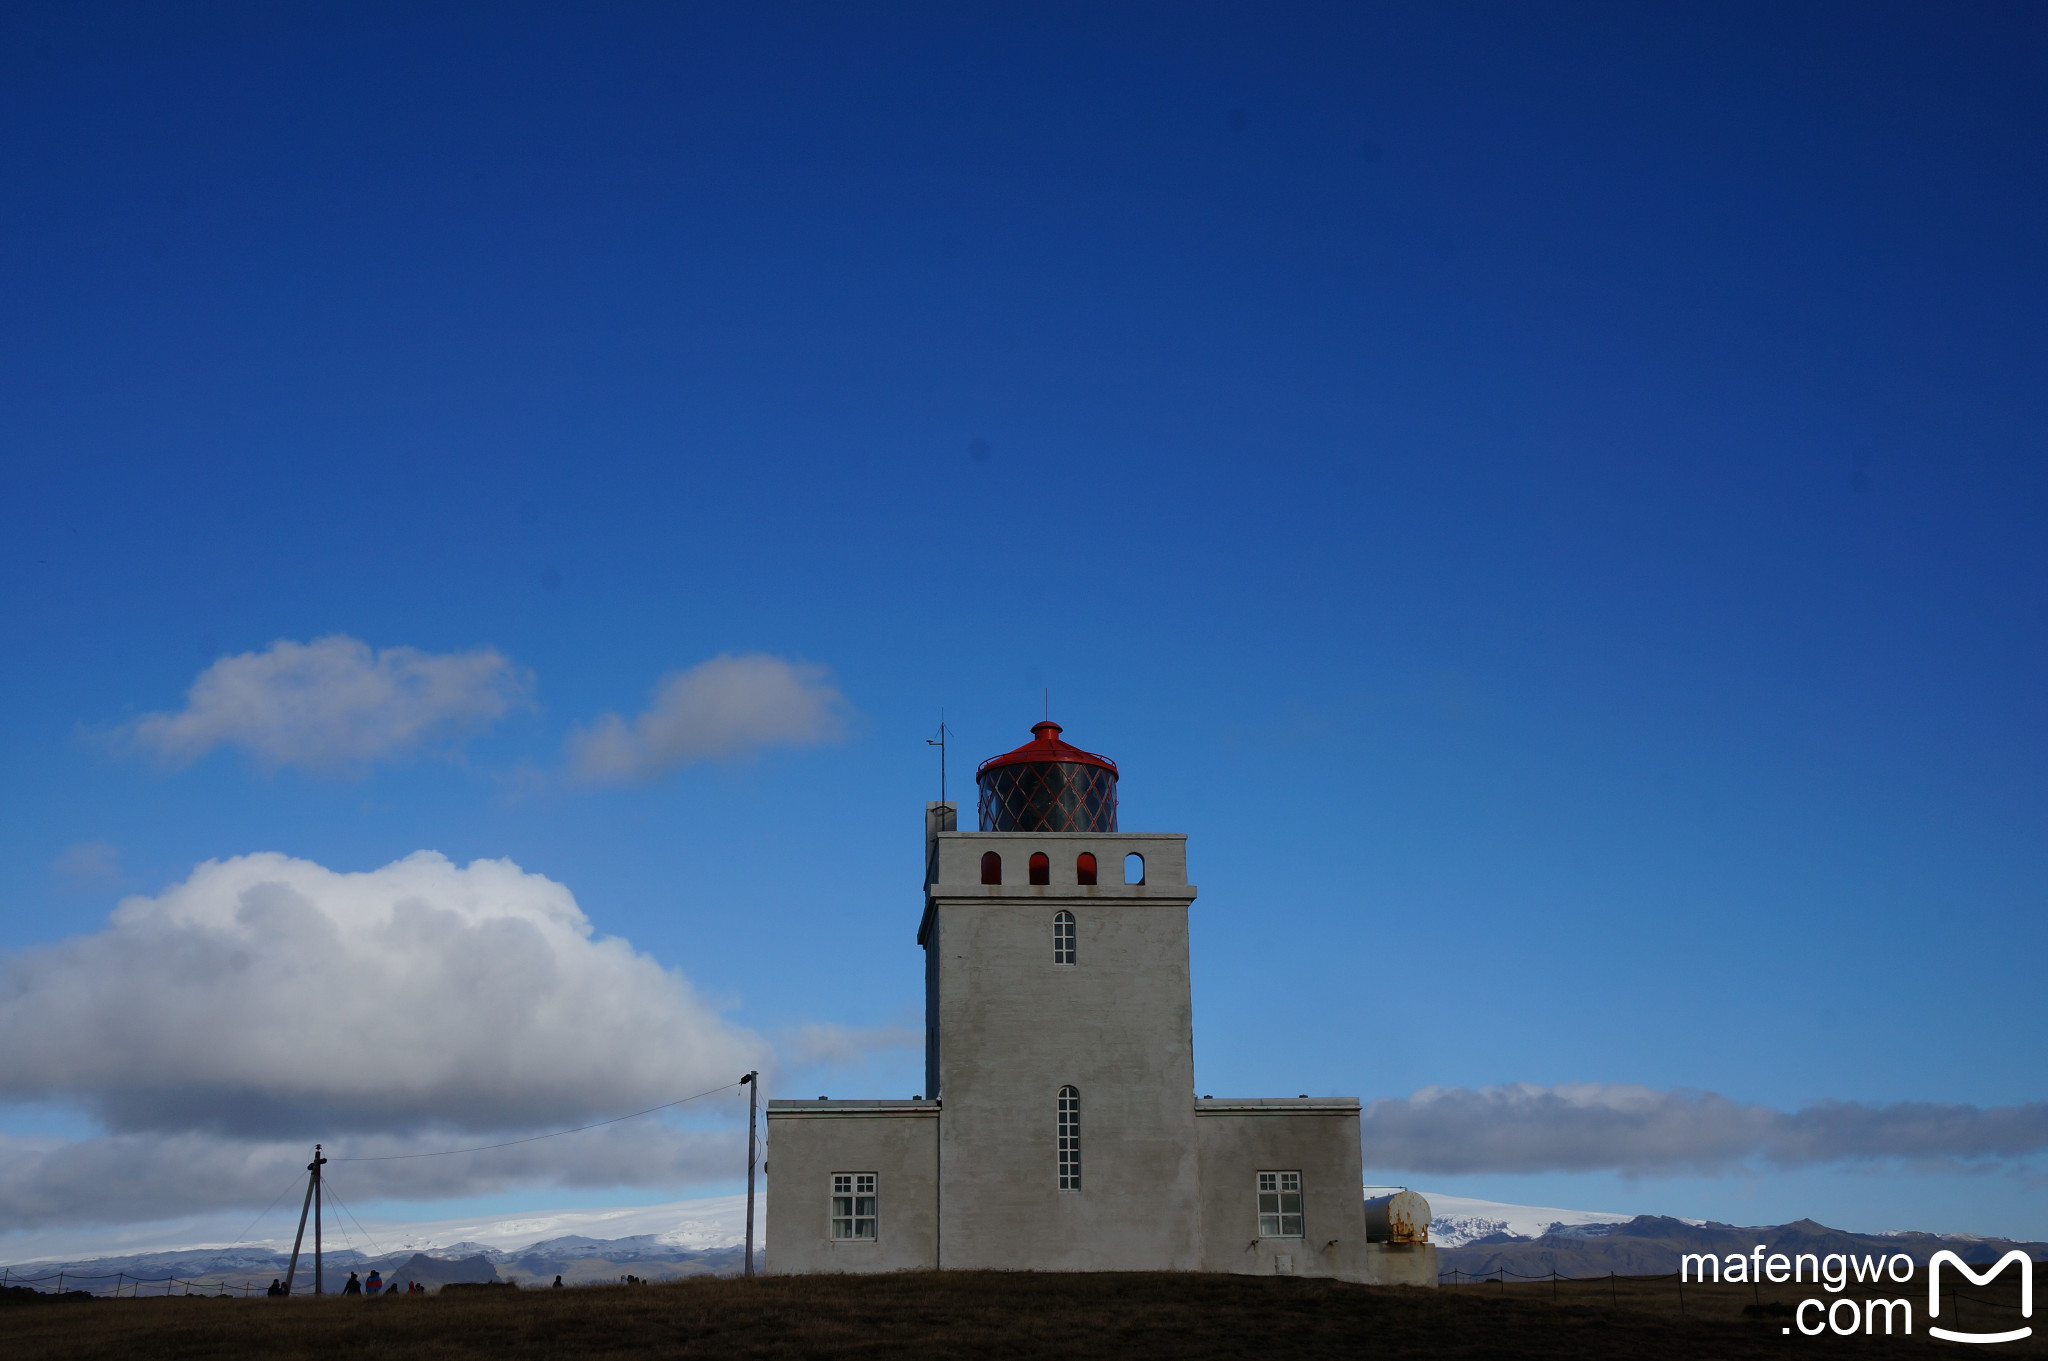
271, 997
718, 710
89, 864
332, 704
1586, 1127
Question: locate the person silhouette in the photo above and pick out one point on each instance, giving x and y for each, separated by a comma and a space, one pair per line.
375, 1284
558, 1283
354, 1286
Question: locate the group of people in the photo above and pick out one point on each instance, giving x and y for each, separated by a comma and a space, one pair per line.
357, 1286
376, 1286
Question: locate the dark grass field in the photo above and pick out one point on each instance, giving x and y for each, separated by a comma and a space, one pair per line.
958, 1314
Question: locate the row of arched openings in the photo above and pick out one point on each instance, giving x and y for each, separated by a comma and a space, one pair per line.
1039, 868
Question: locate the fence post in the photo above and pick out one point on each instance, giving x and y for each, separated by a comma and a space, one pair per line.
1612, 1297
60, 1282
1503, 1282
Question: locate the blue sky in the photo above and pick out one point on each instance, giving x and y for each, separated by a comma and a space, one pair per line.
1549, 501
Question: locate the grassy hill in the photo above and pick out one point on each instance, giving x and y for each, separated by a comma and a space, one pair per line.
932, 1316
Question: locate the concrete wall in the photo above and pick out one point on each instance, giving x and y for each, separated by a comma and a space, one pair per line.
1315, 1136
1012, 1027
808, 1141
1401, 1264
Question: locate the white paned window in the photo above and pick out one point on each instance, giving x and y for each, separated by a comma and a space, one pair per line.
1063, 938
853, 1206
1279, 1204
1070, 1139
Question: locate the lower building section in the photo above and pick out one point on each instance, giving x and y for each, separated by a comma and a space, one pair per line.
853, 1186
1280, 1187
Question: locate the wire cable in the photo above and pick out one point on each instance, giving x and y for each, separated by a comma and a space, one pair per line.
374, 1244
288, 1186
536, 1138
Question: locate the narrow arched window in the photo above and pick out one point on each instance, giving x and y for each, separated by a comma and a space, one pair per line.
1063, 938
1041, 868
991, 868
1084, 868
1070, 1139
1134, 868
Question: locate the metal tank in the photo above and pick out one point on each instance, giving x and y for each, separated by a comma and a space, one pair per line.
1046, 785
1402, 1217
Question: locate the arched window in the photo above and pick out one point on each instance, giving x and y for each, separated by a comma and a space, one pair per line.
1041, 868
1084, 867
1063, 938
1134, 868
1070, 1139
991, 868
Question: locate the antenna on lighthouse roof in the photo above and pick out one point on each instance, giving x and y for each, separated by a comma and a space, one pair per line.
1048, 704
940, 743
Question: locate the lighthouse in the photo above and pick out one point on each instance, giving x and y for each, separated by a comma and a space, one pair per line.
1060, 1129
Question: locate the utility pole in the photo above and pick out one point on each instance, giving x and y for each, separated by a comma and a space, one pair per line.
753, 1099
312, 1203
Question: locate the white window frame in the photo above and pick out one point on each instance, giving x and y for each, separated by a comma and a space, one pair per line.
1065, 939
1277, 1189
1069, 1138
855, 1204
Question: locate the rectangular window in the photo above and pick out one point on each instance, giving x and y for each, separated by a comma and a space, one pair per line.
1279, 1204
853, 1206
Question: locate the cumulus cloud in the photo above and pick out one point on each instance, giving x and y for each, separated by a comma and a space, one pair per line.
271, 997
130, 1177
1589, 1127
728, 707
333, 704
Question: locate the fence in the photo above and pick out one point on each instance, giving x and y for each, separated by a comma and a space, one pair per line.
124, 1285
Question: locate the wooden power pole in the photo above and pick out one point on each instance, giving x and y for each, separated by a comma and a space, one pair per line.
753, 1100
312, 1202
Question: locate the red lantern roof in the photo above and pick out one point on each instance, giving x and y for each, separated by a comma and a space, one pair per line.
1045, 745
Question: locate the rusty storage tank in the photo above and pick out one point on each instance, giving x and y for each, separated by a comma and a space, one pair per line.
1402, 1217
1047, 785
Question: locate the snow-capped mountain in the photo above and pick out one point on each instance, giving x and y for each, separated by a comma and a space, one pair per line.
1458, 1220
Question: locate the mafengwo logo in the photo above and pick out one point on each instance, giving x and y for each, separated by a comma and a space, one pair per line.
1846, 1316
2015, 1257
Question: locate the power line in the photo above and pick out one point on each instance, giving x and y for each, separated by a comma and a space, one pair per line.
264, 1211
377, 1247
536, 1138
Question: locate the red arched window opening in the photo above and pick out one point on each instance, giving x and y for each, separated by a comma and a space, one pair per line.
1041, 868
991, 868
1084, 867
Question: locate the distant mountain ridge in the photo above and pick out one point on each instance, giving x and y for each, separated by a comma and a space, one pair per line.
578, 1260
687, 1238
1652, 1244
